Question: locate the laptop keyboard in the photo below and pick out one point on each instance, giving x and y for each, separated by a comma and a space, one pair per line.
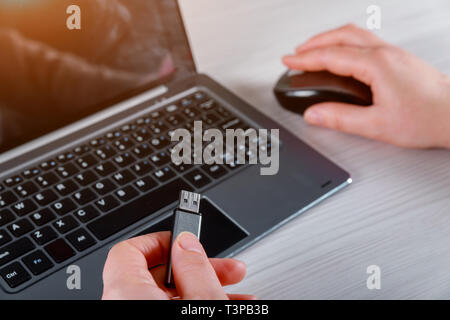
66, 205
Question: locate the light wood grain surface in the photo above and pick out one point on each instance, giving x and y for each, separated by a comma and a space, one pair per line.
396, 214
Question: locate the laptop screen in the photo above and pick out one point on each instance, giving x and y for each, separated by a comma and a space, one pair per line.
62, 60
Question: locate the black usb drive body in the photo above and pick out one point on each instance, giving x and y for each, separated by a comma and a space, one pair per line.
186, 217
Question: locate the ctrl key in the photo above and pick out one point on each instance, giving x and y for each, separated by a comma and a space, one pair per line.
15, 274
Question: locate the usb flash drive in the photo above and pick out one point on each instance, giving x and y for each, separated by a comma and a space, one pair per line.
185, 218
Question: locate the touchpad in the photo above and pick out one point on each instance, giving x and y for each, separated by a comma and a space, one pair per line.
218, 232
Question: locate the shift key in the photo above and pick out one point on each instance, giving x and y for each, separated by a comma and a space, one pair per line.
15, 250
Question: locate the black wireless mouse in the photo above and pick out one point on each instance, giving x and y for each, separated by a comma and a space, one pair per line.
297, 90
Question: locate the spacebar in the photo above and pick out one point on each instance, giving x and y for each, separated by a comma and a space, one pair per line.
142, 207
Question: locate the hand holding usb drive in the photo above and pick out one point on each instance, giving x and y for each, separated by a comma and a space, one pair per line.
186, 217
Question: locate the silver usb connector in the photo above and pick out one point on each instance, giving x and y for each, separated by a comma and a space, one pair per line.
186, 217
189, 201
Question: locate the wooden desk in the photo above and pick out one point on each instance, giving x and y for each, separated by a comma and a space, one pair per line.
396, 214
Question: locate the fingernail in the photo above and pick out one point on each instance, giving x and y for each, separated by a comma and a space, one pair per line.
313, 116
189, 242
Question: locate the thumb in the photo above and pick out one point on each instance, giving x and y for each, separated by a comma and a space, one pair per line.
194, 275
344, 117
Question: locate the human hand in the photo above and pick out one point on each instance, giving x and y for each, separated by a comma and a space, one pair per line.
126, 274
411, 99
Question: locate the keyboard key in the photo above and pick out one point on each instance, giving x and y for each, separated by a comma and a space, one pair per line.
66, 187
45, 197
41, 217
142, 167
84, 196
104, 186
20, 227
15, 274
24, 207
123, 144
208, 105
63, 206
105, 168
113, 135
123, 177
215, 171
160, 142
145, 184
44, 235
128, 127
234, 123
85, 178
157, 127
15, 249
107, 203
86, 161
65, 224
47, 179
127, 193
142, 151
4, 237
81, 239
66, 170
190, 112
86, 214
164, 174
30, 173
223, 112
106, 152
141, 135
59, 250
182, 167
97, 142
186, 102
37, 262
64, 157
47, 165
81, 150
12, 181
172, 108
175, 120
6, 198
197, 178
200, 96
26, 189
6, 216
160, 159
124, 160
140, 208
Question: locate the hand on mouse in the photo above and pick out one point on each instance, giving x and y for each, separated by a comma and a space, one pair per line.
411, 99
126, 274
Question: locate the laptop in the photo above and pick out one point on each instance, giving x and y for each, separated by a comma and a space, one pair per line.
88, 108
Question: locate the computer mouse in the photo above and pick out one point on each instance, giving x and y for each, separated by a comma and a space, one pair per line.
297, 90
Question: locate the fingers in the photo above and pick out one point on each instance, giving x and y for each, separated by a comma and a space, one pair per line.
194, 275
228, 271
135, 256
344, 61
346, 118
348, 35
